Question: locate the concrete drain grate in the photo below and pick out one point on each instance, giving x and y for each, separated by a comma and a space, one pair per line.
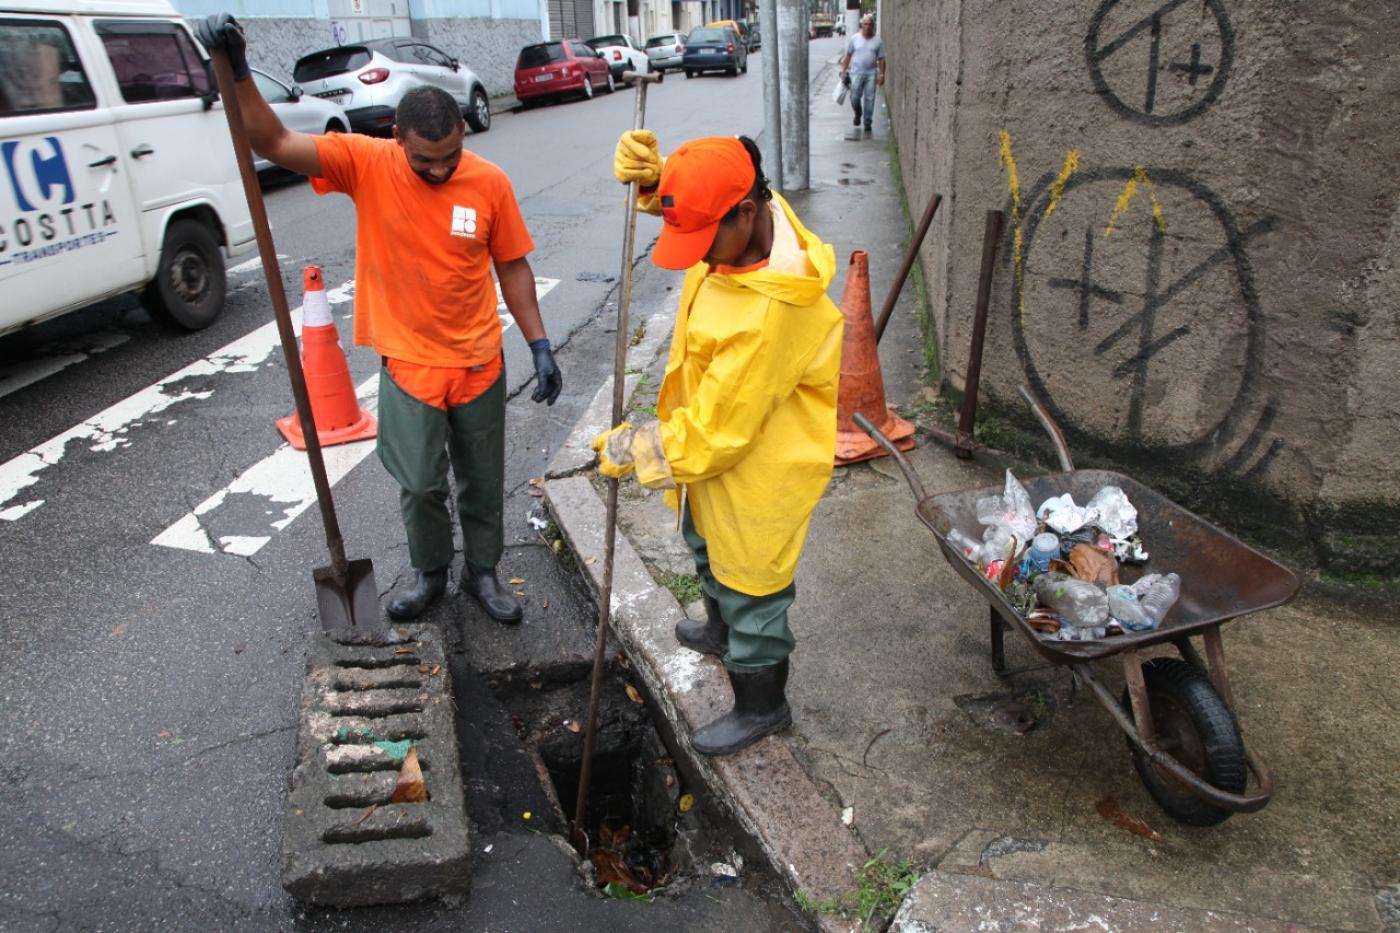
366, 700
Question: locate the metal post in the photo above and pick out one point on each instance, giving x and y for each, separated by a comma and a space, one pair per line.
771, 144
967, 418
792, 64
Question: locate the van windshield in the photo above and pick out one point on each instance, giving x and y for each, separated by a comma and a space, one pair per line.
330, 63
534, 56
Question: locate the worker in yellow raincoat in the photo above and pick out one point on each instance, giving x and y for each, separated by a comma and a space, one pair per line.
747, 409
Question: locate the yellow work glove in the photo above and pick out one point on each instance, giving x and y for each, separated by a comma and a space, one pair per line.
615, 451
637, 159
649, 457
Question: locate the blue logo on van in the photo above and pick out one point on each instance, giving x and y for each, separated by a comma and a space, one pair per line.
38, 173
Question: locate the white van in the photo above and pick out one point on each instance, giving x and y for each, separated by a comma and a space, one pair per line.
116, 169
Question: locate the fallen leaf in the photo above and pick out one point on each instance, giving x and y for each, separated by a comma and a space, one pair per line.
685, 803
526, 814
1108, 809
364, 816
538, 481
670, 779
572, 726
423, 669
633, 695
1089, 563
410, 787
519, 592
516, 581
164, 734
545, 604
119, 630
556, 545
591, 560
404, 650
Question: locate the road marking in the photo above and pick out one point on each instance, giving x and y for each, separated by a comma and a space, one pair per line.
107, 430
55, 358
271, 493
281, 481
251, 264
543, 287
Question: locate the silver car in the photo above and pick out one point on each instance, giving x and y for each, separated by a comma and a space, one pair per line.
369, 79
298, 111
665, 49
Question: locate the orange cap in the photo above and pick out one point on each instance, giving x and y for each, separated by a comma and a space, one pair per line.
700, 182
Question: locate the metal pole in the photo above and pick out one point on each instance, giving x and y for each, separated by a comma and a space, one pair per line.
967, 418
771, 144
792, 64
909, 256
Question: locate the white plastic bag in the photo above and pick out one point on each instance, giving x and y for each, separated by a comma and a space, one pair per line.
1012, 510
838, 93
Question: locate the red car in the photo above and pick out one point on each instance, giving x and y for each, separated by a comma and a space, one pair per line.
551, 70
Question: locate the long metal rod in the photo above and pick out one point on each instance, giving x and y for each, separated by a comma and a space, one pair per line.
967, 419
1057, 437
624, 301
223, 72
911, 254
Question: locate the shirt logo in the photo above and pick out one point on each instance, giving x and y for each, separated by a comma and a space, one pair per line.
464, 222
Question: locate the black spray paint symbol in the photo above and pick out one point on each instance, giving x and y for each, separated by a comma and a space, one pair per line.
1146, 34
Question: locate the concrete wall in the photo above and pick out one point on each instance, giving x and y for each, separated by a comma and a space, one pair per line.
1199, 275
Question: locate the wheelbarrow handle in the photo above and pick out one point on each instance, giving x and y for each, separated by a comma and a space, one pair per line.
878, 437
1057, 437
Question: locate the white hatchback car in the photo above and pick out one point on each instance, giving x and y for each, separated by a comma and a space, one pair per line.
298, 110
665, 49
369, 79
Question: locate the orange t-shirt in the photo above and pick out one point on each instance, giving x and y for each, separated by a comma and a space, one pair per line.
423, 253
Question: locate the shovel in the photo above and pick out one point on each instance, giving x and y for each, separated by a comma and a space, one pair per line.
346, 592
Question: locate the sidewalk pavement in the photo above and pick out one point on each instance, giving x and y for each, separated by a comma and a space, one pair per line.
900, 721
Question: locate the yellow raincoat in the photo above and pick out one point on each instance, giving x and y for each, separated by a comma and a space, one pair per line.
747, 409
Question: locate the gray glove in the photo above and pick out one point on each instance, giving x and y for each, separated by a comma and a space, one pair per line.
221, 31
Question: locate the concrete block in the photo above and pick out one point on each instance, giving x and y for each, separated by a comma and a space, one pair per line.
365, 701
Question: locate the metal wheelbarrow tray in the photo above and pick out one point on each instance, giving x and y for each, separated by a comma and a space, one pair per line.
1177, 715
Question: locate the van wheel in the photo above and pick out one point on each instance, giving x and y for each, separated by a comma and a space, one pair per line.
479, 112
335, 126
188, 290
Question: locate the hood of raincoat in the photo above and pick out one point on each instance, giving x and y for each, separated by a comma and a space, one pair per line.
747, 408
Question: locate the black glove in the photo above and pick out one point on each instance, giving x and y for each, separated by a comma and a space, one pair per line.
221, 31
548, 381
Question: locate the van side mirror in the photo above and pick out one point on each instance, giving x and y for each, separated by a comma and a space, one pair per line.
297, 93
455, 64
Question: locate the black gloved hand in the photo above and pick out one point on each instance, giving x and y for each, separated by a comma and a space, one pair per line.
548, 380
221, 31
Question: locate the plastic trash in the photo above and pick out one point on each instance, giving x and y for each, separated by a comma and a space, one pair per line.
1113, 512
1130, 550
1061, 514
1123, 605
1080, 604
1011, 510
998, 544
1157, 593
1044, 548
969, 545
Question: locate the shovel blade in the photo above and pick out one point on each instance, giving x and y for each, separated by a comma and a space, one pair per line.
353, 604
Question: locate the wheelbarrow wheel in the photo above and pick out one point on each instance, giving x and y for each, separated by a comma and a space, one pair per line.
1196, 727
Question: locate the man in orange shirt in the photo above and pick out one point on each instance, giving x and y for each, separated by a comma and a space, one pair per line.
433, 220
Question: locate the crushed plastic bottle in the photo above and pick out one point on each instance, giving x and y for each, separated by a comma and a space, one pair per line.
968, 545
1123, 605
1079, 604
1157, 593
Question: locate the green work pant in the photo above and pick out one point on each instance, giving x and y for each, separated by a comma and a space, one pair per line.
759, 636
416, 442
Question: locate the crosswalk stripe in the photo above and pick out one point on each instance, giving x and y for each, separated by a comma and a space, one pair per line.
57, 358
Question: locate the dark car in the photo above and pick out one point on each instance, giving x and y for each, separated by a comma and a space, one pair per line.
713, 48
551, 70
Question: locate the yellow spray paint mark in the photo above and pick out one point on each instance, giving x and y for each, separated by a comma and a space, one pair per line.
1013, 182
1125, 198
1057, 188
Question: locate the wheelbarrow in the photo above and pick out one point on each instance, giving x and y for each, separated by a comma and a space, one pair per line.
1177, 714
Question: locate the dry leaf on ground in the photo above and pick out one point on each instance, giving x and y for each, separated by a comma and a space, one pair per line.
633, 695
410, 787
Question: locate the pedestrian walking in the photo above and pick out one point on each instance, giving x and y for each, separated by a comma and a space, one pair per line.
863, 66
433, 219
746, 428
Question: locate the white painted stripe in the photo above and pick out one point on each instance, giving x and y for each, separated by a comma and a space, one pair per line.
542, 287
106, 431
250, 265
283, 478
56, 358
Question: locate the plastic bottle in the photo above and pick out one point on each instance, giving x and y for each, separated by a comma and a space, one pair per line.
1157, 593
969, 545
1078, 602
1123, 605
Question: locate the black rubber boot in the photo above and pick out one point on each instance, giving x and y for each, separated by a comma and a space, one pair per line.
708, 637
760, 708
481, 584
427, 589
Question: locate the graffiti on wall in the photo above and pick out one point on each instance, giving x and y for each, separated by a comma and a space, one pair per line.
1159, 62
1135, 313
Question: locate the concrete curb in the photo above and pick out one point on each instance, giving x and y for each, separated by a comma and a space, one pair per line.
765, 788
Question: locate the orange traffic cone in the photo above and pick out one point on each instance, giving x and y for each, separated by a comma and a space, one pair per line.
339, 417
862, 386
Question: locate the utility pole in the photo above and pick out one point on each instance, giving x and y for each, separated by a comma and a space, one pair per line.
772, 142
792, 64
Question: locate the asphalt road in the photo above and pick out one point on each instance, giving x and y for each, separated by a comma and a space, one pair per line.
150, 689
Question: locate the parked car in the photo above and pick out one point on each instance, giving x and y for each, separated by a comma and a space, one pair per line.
118, 172
621, 54
298, 110
839, 27
712, 48
755, 36
741, 29
665, 50
552, 70
369, 79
